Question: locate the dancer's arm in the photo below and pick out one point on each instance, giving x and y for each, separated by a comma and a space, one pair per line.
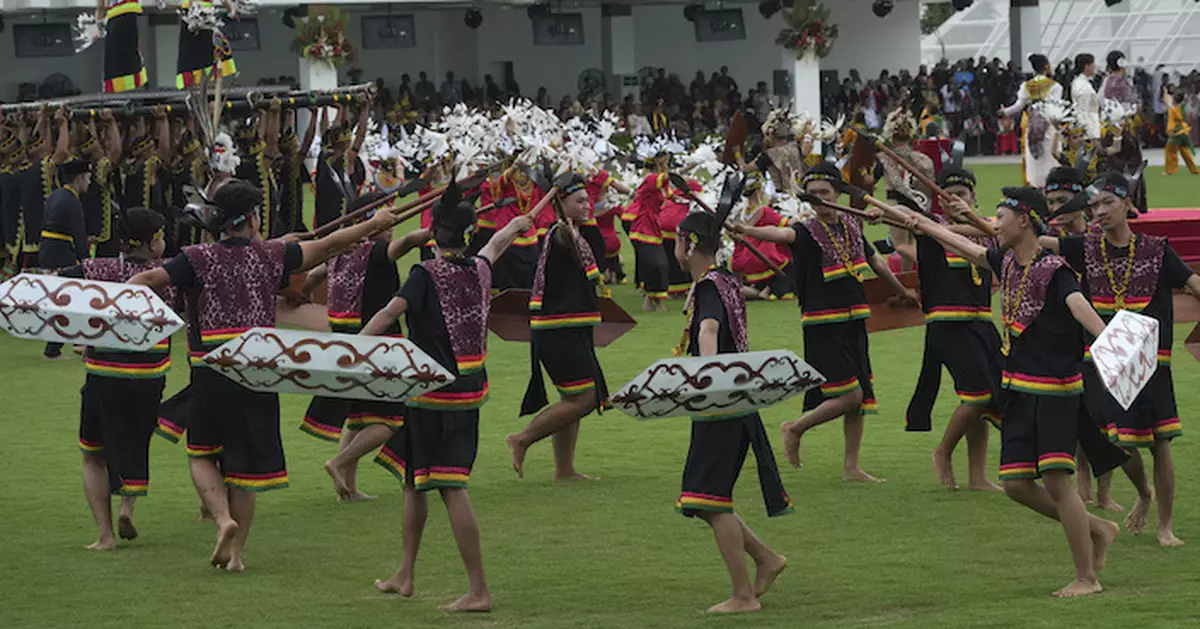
382, 319
974, 253
397, 248
497, 245
1084, 313
781, 235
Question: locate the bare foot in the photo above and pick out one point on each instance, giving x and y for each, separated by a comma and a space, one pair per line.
397, 584
103, 544
225, 534
236, 566
1108, 504
943, 469
735, 606
125, 527
1079, 588
1101, 542
574, 476
205, 514
355, 496
1135, 522
469, 603
1085, 494
1167, 539
766, 573
339, 483
518, 454
985, 485
859, 476
791, 443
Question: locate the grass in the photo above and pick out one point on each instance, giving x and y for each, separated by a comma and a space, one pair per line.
607, 554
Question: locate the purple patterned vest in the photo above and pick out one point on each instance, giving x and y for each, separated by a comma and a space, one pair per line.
1143, 279
464, 292
153, 363
346, 279
239, 286
730, 290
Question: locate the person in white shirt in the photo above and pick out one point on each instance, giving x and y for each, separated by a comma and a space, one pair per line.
1040, 134
1083, 94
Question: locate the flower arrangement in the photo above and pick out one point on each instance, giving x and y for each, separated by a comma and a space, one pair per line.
322, 37
807, 29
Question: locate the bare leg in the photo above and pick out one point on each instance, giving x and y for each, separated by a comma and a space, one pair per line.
416, 511
1164, 486
1083, 476
344, 466
95, 490
977, 443
728, 530
826, 411
1037, 498
1104, 499
768, 563
852, 431
564, 442
1135, 469
1074, 518
551, 420
466, 535
125, 526
241, 506
210, 484
943, 466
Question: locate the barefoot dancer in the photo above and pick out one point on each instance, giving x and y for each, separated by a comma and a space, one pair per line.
717, 325
563, 310
956, 296
446, 300
360, 283
1043, 311
830, 254
645, 233
1126, 271
122, 392
230, 287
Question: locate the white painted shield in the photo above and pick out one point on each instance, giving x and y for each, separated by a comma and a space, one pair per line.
85, 312
374, 368
1126, 355
715, 387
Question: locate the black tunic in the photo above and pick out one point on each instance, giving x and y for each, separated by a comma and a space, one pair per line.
64, 236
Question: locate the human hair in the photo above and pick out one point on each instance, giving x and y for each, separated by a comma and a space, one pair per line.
1083, 60
141, 225
237, 199
1040, 63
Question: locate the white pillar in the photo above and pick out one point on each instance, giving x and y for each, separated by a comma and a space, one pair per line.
314, 75
1024, 30
805, 75
617, 50
163, 62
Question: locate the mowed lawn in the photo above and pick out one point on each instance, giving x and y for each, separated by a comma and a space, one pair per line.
611, 553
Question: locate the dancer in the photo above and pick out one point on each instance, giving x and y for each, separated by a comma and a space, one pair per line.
446, 302
1121, 270
291, 173
1085, 98
1179, 134
230, 287
200, 52
64, 231
122, 392
124, 69
759, 280
1038, 134
564, 309
103, 218
360, 283
646, 232
956, 296
1062, 186
899, 131
717, 325
1043, 312
604, 215
830, 254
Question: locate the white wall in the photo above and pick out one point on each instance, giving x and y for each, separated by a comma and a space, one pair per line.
507, 35
871, 44
84, 69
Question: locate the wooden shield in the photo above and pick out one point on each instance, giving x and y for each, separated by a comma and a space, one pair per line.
509, 318
887, 311
862, 164
734, 139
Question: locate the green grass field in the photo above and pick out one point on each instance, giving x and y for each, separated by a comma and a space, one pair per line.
611, 553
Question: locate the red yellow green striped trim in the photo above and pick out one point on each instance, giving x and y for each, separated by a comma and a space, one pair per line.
959, 313
1107, 306
438, 400
57, 236
575, 388
257, 482
975, 398
869, 406
90, 447
703, 502
1145, 437
669, 235
324, 432
628, 216
1164, 356
658, 294
836, 389
570, 320
185, 80
358, 421
484, 223
204, 452
127, 370
168, 430
1043, 385
1056, 461
123, 8
839, 270
955, 261
441, 478
1168, 429
391, 462
220, 335
1016, 328
130, 487
767, 274
470, 364
835, 315
592, 272
345, 318
128, 82
1018, 471
525, 241
645, 238
678, 289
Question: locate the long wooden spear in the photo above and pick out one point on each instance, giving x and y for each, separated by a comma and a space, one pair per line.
681, 184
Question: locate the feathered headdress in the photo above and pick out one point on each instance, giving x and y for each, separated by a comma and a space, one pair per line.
86, 31
223, 157
779, 124
899, 124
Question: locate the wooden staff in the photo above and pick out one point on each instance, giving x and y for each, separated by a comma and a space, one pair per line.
537, 209
336, 224
687, 191
812, 200
976, 221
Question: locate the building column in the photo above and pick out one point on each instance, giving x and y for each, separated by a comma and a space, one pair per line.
805, 76
617, 50
1024, 30
163, 49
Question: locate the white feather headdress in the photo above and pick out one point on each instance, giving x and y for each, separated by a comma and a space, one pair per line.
224, 157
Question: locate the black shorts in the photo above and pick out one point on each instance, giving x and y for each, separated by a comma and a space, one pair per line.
715, 458
515, 268
839, 352
117, 419
433, 449
679, 281
1039, 433
1153, 416
651, 269
970, 352
569, 356
327, 416
238, 427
